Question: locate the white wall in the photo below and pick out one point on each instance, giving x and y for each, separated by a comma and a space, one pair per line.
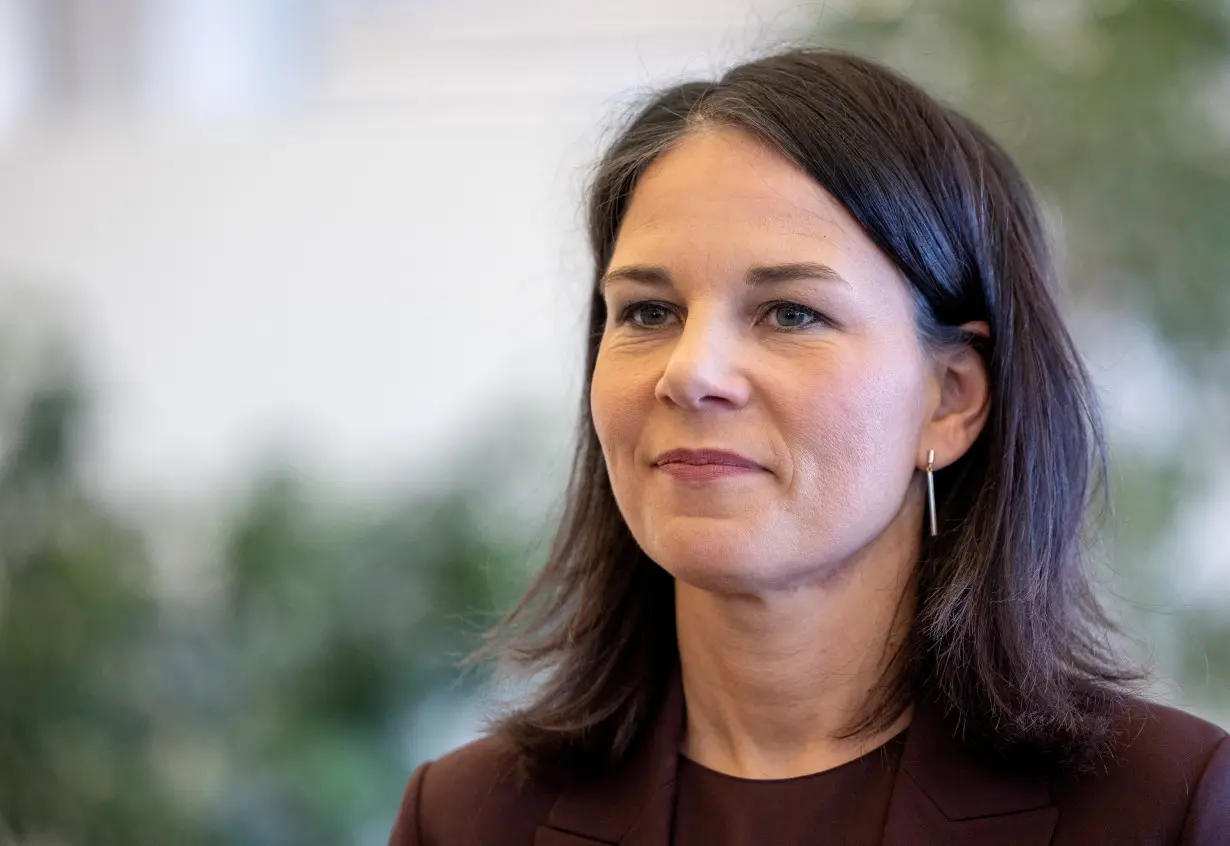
342, 230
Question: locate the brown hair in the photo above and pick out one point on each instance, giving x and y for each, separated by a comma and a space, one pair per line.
1008, 636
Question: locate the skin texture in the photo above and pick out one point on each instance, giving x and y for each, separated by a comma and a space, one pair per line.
791, 580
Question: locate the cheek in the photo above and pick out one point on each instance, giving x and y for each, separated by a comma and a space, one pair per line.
617, 406
857, 422
620, 403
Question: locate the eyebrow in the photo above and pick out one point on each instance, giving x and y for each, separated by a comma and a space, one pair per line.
775, 274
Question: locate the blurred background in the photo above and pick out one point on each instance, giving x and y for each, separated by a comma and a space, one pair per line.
290, 351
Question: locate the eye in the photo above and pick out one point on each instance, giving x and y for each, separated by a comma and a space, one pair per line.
647, 315
794, 316
787, 316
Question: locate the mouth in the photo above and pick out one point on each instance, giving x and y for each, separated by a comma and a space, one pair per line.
683, 458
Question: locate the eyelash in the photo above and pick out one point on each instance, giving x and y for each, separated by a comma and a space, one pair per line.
626, 315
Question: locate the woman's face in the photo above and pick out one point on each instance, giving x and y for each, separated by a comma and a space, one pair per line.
749, 313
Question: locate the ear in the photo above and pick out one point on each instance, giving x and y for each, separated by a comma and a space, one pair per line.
960, 400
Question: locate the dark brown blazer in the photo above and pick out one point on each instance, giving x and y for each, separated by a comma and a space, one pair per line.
1170, 784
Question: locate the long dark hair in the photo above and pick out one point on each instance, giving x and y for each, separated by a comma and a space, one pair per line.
1008, 636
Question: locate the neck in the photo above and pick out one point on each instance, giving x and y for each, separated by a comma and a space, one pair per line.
772, 680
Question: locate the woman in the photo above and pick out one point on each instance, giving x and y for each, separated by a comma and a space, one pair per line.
818, 578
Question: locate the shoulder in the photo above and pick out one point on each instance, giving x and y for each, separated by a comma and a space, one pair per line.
470, 796
1168, 777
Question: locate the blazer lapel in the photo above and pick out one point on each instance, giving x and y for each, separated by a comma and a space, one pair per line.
634, 804
944, 795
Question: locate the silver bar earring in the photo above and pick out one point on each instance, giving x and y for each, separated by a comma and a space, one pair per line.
931, 487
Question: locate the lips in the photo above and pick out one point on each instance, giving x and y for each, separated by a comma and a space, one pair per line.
701, 457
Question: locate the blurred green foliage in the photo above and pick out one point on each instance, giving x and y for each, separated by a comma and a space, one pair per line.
337, 623
273, 710
77, 631
276, 704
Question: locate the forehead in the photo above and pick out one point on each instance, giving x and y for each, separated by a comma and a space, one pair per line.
724, 177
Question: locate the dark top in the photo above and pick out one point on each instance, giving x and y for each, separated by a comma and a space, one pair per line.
846, 805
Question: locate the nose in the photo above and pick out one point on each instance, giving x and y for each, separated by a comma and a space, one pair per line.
705, 368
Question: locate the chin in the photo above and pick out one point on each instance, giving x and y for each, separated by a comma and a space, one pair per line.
716, 561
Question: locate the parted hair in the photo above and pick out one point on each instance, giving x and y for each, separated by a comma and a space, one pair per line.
1008, 636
